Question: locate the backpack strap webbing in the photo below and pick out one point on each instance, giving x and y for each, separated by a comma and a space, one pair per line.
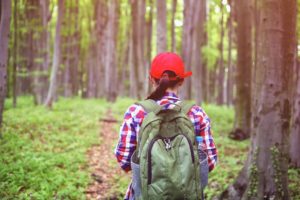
150, 106
186, 106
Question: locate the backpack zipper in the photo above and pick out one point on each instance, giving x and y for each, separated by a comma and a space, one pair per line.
168, 146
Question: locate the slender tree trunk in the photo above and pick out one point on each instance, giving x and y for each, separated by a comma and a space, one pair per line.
230, 76
243, 76
161, 26
15, 51
266, 169
5, 14
221, 73
173, 38
45, 51
186, 92
136, 83
110, 65
198, 41
148, 46
56, 56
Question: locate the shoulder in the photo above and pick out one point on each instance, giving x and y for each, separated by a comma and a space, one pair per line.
134, 111
198, 112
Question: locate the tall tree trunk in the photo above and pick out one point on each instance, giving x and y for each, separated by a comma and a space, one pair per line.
173, 38
243, 76
15, 51
186, 92
221, 71
110, 64
266, 169
148, 46
230, 76
161, 26
198, 41
56, 56
295, 130
5, 14
136, 82
101, 29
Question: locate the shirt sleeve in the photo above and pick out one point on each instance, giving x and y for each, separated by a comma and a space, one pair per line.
202, 128
128, 136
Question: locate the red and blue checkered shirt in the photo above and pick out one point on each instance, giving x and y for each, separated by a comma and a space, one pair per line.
133, 119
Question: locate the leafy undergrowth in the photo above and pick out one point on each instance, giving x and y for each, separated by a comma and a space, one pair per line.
231, 154
43, 152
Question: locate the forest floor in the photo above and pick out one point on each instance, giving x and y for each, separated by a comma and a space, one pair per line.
103, 170
68, 153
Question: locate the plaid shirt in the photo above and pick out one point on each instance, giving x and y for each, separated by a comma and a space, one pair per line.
133, 119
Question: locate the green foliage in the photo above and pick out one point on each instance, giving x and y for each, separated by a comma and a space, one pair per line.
43, 153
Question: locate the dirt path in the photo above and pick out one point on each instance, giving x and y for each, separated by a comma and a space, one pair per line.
100, 162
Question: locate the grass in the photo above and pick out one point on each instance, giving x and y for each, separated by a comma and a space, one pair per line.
43, 152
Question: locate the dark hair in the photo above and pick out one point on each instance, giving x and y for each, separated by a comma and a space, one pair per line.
168, 80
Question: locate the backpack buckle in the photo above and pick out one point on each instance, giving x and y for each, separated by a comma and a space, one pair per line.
168, 144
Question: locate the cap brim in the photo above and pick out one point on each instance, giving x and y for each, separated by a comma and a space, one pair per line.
187, 74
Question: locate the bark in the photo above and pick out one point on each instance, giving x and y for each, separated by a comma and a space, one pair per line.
243, 73
173, 38
136, 83
295, 130
161, 26
56, 56
230, 76
110, 65
15, 51
267, 168
148, 47
187, 43
5, 14
198, 41
221, 71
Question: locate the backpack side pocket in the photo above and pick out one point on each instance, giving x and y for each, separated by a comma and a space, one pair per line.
136, 178
204, 171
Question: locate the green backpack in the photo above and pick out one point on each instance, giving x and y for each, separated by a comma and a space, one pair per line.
165, 164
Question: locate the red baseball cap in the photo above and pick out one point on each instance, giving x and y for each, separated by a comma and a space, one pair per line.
168, 61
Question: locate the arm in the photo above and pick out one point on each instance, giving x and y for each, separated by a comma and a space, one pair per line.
202, 128
128, 136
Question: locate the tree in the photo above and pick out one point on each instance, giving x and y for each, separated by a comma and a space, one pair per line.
192, 42
173, 40
111, 37
161, 26
243, 72
221, 68
5, 14
136, 57
15, 49
56, 56
264, 175
198, 41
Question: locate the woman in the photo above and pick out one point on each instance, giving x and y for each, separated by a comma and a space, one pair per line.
166, 75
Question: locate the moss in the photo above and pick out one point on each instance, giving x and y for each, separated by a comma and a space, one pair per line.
253, 178
277, 175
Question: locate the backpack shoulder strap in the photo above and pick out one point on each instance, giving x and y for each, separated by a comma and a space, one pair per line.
150, 106
186, 106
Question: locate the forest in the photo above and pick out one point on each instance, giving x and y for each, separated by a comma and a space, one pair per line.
69, 69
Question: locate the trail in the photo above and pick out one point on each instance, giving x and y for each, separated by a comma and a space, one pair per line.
101, 163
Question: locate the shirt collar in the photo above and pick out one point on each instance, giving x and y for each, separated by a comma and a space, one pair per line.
170, 95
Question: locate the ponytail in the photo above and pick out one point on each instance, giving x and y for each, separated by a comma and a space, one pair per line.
168, 80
